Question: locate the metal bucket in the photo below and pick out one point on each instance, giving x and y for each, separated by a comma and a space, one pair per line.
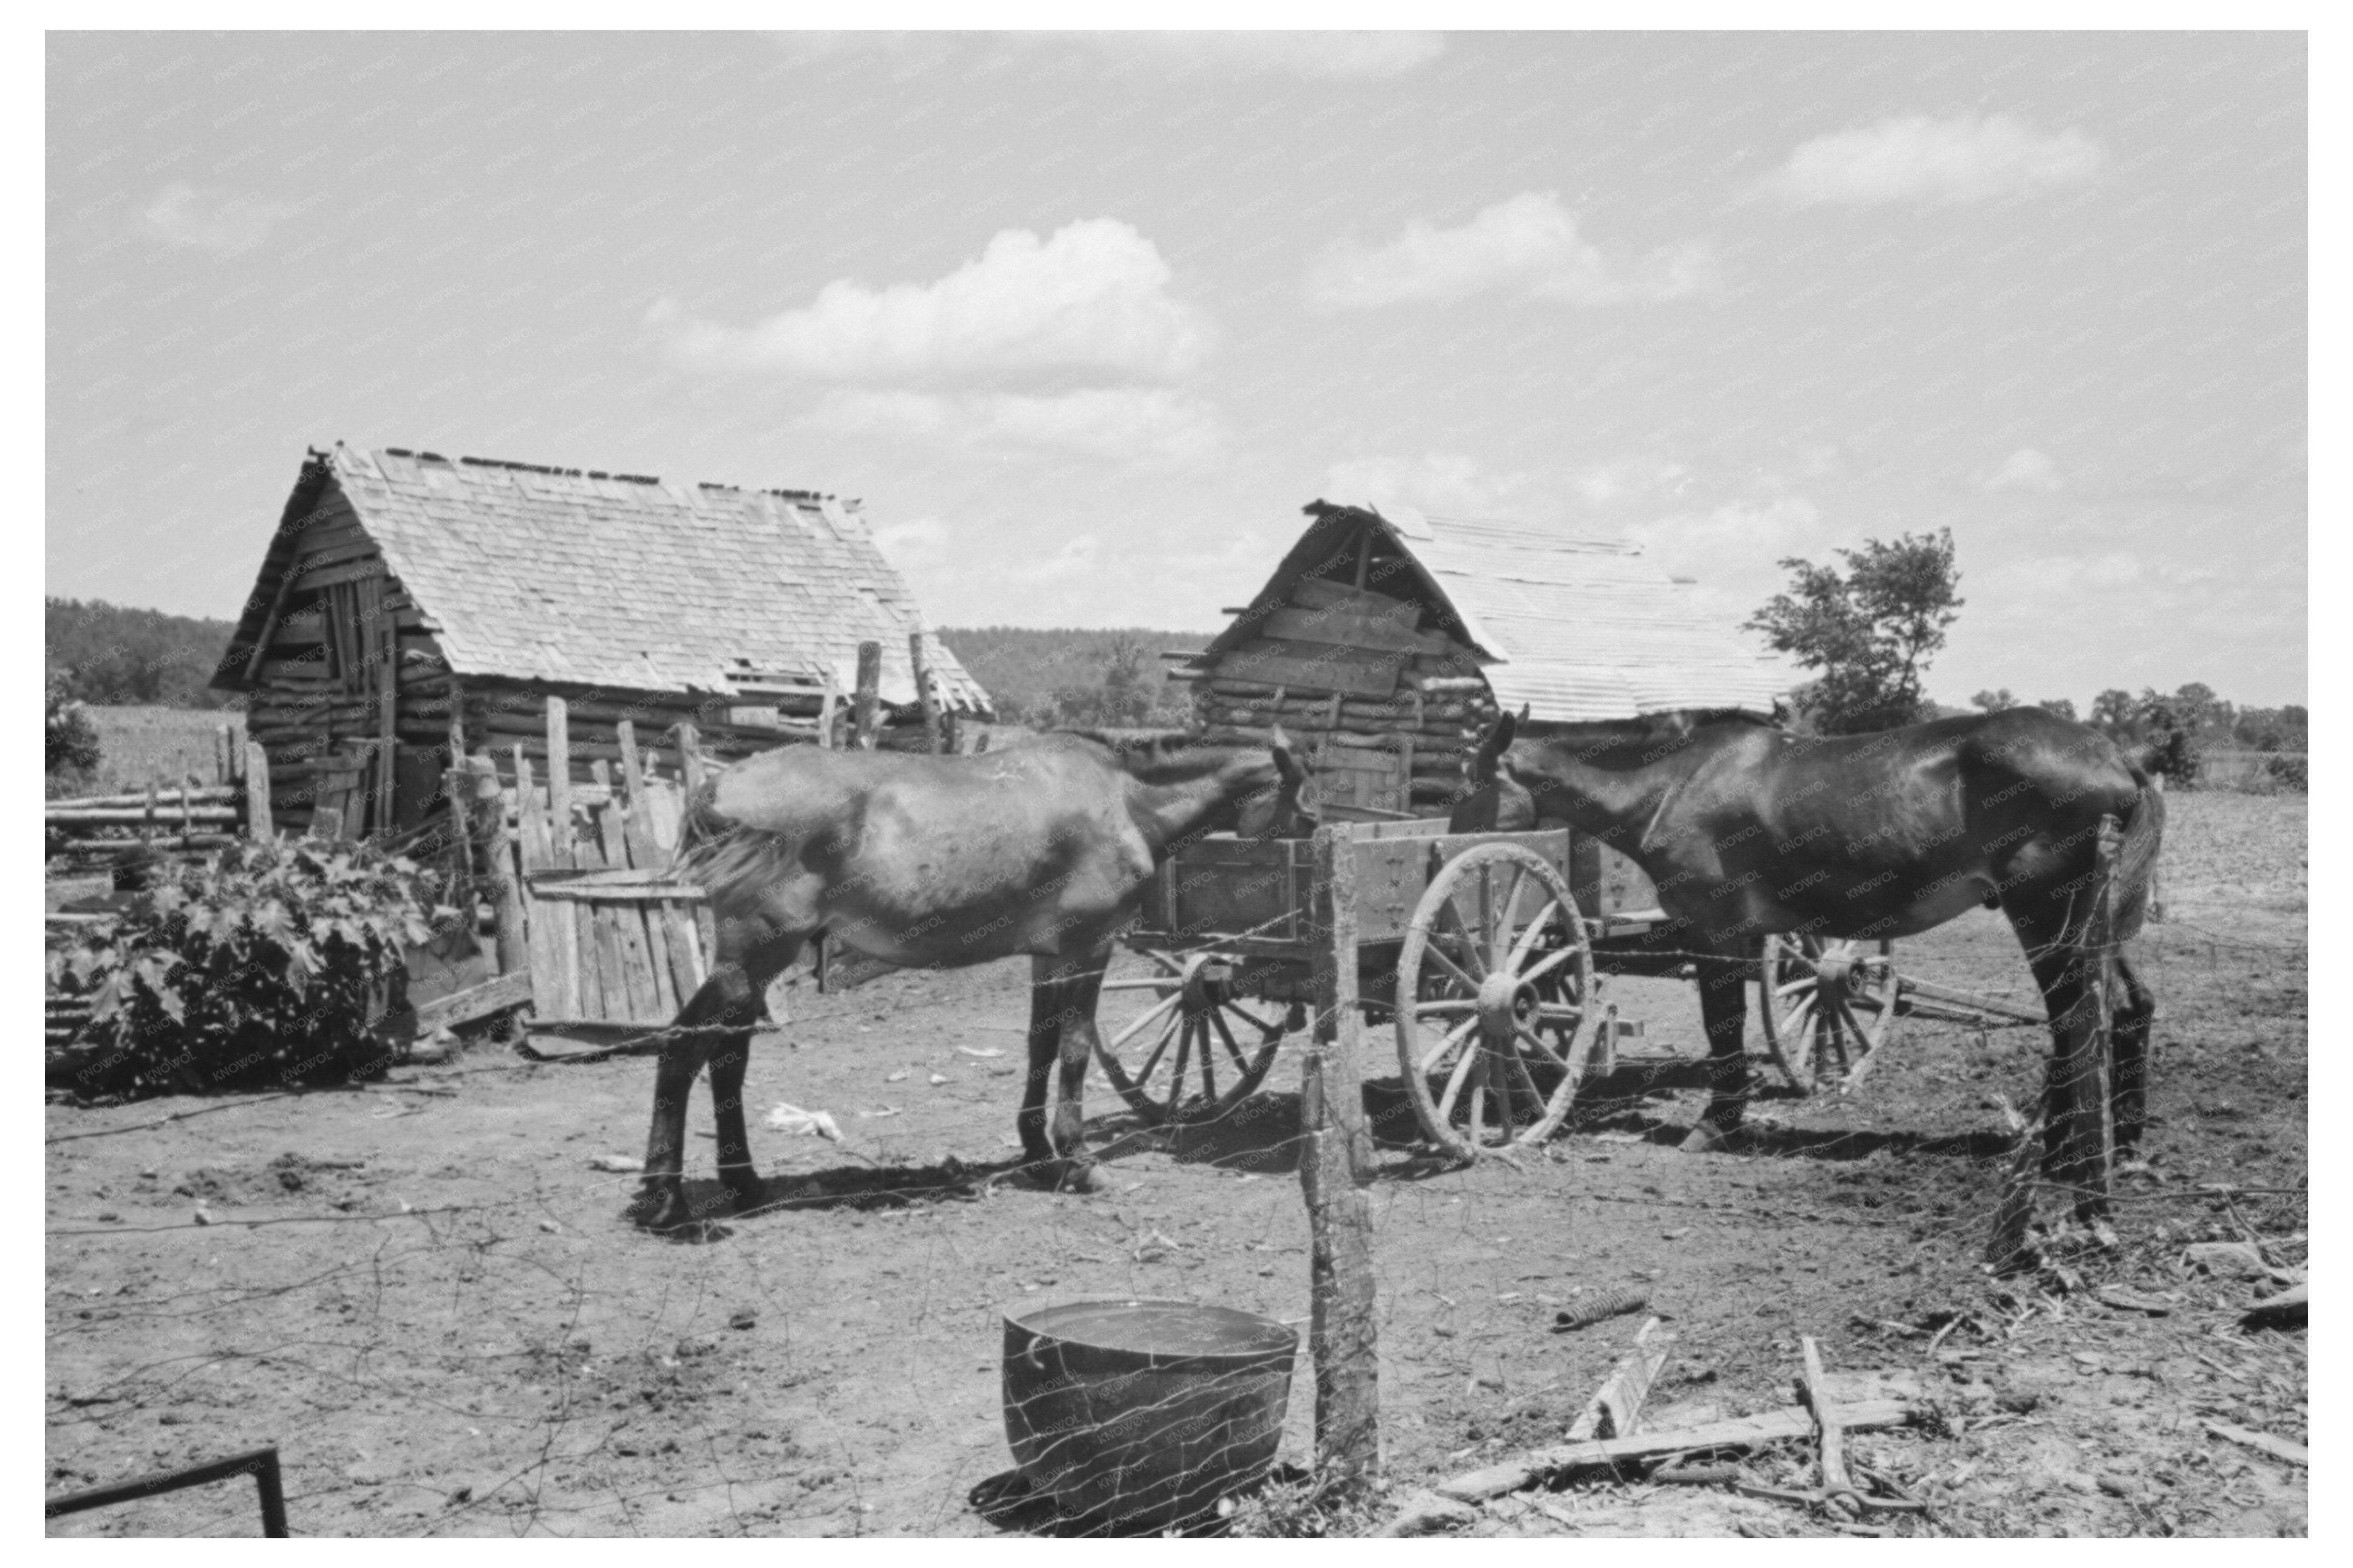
1142, 1410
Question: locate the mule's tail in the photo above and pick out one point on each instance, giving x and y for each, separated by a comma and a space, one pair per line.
718, 853
2136, 872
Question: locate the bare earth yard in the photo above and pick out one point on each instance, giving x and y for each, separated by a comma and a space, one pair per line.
427, 1299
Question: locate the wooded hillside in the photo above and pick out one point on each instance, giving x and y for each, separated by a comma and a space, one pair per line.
115, 656
1031, 673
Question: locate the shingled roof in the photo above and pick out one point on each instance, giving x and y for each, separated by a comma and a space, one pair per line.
564, 575
1578, 630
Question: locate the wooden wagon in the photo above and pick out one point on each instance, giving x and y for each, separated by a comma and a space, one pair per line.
1388, 646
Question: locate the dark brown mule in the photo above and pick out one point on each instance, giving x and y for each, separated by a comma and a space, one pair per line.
937, 861
1747, 829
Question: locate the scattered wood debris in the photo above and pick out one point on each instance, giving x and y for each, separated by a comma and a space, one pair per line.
2124, 1300
2262, 1442
1616, 1408
2287, 1310
1600, 1305
1609, 1453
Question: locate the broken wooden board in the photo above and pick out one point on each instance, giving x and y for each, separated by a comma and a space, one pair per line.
1746, 1432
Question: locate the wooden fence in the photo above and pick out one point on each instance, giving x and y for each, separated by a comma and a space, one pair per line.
586, 900
181, 817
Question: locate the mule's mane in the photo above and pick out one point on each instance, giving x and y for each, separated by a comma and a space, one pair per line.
1160, 755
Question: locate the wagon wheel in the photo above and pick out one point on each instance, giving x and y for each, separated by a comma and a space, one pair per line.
1496, 958
1196, 1050
1808, 1040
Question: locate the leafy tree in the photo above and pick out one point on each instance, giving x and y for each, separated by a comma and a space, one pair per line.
1870, 629
72, 749
2114, 711
1124, 696
1995, 702
2064, 706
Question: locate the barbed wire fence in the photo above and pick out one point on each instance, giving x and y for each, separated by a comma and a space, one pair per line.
522, 1361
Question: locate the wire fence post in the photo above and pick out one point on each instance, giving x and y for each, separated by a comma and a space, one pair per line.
1335, 1162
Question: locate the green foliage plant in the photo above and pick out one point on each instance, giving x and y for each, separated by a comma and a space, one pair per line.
265, 963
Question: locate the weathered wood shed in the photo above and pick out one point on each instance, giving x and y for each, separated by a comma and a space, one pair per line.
1390, 644
409, 604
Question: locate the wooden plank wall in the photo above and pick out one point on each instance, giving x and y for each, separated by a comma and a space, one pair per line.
610, 939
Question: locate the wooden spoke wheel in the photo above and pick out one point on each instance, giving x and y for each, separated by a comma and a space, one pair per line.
1495, 1040
1826, 1004
1193, 1049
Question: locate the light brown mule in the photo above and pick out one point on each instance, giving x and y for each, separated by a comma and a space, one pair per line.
938, 861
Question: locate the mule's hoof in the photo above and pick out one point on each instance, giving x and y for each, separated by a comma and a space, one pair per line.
662, 1211
1087, 1178
746, 1191
1709, 1138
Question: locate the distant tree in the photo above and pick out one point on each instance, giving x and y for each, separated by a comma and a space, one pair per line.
72, 739
1123, 697
1995, 702
2171, 744
2064, 707
1870, 630
2201, 713
2112, 711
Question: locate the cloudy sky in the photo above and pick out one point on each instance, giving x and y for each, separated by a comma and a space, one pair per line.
1085, 320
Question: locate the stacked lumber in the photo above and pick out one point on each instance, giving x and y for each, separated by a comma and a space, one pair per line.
1348, 671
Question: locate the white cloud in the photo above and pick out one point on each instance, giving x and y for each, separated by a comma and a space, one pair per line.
1150, 425
1528, 244
1914, 158
1631, 479
220, 221
912, 546
2025, 469
1076, 558
1092, 297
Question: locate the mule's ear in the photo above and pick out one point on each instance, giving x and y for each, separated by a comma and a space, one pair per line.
1498, 741
1286, 760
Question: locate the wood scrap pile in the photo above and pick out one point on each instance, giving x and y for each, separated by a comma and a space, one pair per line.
1610, 1441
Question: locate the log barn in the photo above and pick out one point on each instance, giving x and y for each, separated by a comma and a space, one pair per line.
410, 604
1389, 645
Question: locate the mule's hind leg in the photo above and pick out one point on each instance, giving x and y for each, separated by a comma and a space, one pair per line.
1057, 988
2075, 1116
737, 1174
716, 1026
662, 1202
1082, 985
2128, 1031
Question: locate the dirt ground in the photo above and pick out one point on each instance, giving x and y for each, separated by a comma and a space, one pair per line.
427, 1299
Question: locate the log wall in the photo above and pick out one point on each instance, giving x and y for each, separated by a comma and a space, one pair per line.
1376, 686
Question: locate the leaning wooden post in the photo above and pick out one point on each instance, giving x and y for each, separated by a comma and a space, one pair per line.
923, 697
499, 861
870, 693
1334, 1162
258, 826
828, 705
559, 780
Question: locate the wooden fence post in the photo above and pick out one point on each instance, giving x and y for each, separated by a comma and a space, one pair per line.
923, 697
1334, 1164
827, 706
260, 826
499, 860
870, 693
